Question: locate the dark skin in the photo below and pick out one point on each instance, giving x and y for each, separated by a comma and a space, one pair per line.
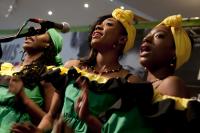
106, 57
156, 54
34, 47
109, 42
156, 50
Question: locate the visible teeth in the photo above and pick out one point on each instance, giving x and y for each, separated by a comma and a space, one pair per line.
97, 34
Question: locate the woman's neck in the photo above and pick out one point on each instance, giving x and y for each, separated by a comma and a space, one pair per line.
158, 74
106, 62
29, 58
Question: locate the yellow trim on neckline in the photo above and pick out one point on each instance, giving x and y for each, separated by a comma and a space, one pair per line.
91, 76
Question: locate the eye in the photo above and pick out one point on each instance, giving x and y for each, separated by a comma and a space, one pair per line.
159, 35
109, 24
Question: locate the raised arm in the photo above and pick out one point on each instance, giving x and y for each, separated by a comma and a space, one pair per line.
54, 111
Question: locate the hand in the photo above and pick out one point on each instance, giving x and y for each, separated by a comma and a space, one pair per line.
81, 106
15, 85
61, 127
25, 128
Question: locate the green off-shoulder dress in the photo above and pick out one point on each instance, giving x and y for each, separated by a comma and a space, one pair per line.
11, 113
142, 109
103, 93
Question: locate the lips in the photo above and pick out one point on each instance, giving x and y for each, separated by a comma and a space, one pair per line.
145, 49
97, 34
29, 40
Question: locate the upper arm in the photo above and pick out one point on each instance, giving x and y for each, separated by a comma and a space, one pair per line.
56, 103
134, 79
47, 91
54, 111
173, 86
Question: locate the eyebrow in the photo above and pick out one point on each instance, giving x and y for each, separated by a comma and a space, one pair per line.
111, 19
159, 30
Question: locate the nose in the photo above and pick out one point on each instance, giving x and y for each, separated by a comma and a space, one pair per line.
98, 27
147, 38
26, 38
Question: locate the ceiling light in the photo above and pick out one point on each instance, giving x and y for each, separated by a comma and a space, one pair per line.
111, 0
50, 13
86, 5
122, 7
10, 8
196, 17
6, 15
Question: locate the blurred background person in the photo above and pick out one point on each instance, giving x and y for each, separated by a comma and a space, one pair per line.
23, 96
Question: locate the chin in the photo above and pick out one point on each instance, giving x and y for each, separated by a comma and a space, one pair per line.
96, 45
144, 62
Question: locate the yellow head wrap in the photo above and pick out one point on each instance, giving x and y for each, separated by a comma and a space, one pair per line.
126, 18
182, 41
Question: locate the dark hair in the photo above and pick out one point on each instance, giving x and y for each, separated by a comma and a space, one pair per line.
90, 60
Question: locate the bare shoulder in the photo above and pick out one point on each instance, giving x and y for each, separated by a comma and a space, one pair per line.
71, 63
174, 81
131, 78
134, 79
174, 86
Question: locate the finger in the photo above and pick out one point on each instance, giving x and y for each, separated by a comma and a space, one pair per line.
82, 82
78, 80
76, 106
83, 105
20, 128
83, 110
30, 126
16, 131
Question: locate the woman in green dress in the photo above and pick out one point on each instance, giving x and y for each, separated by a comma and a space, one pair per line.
164, 49
23, 96
110, 37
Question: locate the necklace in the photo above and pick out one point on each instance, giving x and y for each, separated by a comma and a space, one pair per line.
105, 72
154, 81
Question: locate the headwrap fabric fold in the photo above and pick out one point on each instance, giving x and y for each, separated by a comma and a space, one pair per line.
181, 39
58, 42
126, 19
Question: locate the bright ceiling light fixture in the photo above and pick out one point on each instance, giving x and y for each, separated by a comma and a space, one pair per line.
86, 5
122, 7
10, 9
50, 13
196, 17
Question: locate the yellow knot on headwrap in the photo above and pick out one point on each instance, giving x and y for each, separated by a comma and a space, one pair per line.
126, 19
182, 41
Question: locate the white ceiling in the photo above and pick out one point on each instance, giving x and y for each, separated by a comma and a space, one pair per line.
73, 12
159, 9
